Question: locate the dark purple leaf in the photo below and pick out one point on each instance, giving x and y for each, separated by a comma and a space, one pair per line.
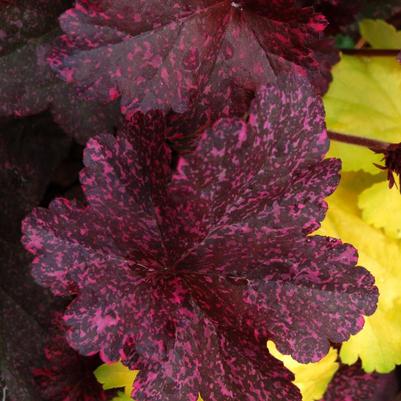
22, 338
339, 13
28, 86
351, 383
30, 151
180, 53
66, 375
218, 247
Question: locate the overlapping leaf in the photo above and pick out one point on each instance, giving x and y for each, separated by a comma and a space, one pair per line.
116, 375
378, 343
370, 108
28, 29
380, 35
351, 383
30, 151
312, 378
188, 277
364, 100
66, 375
338, 12
181, 53
381, 208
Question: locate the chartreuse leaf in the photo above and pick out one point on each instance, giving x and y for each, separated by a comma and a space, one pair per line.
121, 396
116, 375
364, 99
379, 34
311, 378
378, 344
381, 208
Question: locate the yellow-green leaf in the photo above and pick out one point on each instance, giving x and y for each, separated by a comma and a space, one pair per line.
364, 99
312, 379
121, 396
116, 375
381, 208
380, 35
378, 343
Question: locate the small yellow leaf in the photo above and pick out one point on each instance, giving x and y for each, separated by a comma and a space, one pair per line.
122, 397
380, 35
364, 99
312, 379
116, 375
381, 208
378, 343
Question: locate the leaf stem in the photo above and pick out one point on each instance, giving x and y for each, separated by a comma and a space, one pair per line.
373, 144
371, 52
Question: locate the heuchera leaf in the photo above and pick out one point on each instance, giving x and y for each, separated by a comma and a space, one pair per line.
116, 375
311, 378
364, 100
351, 383
122, 397
184, 275
381, 208
377, 344
22, 337
66, 375
380, 34
337, 12
30, 151
179, 53
28, 29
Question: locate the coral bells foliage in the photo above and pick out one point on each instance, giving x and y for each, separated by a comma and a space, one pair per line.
184, 274
67, 376
176, 53
339, 13
28, 30
351, 383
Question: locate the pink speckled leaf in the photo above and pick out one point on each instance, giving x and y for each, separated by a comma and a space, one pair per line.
351, 383
31, 149
28, 29
180, 53
220, 365
338, 13
218, 246
65, 375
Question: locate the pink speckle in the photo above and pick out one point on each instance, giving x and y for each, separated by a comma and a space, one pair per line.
113, 94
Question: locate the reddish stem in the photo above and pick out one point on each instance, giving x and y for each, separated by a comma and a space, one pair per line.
371, 52
373, 144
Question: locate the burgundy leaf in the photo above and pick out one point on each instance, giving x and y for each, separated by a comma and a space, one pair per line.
23, 20
66, 375
30, 151
338, 13
28, 29
22, 337
219, 247
236, 368
176, 54
351, 383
